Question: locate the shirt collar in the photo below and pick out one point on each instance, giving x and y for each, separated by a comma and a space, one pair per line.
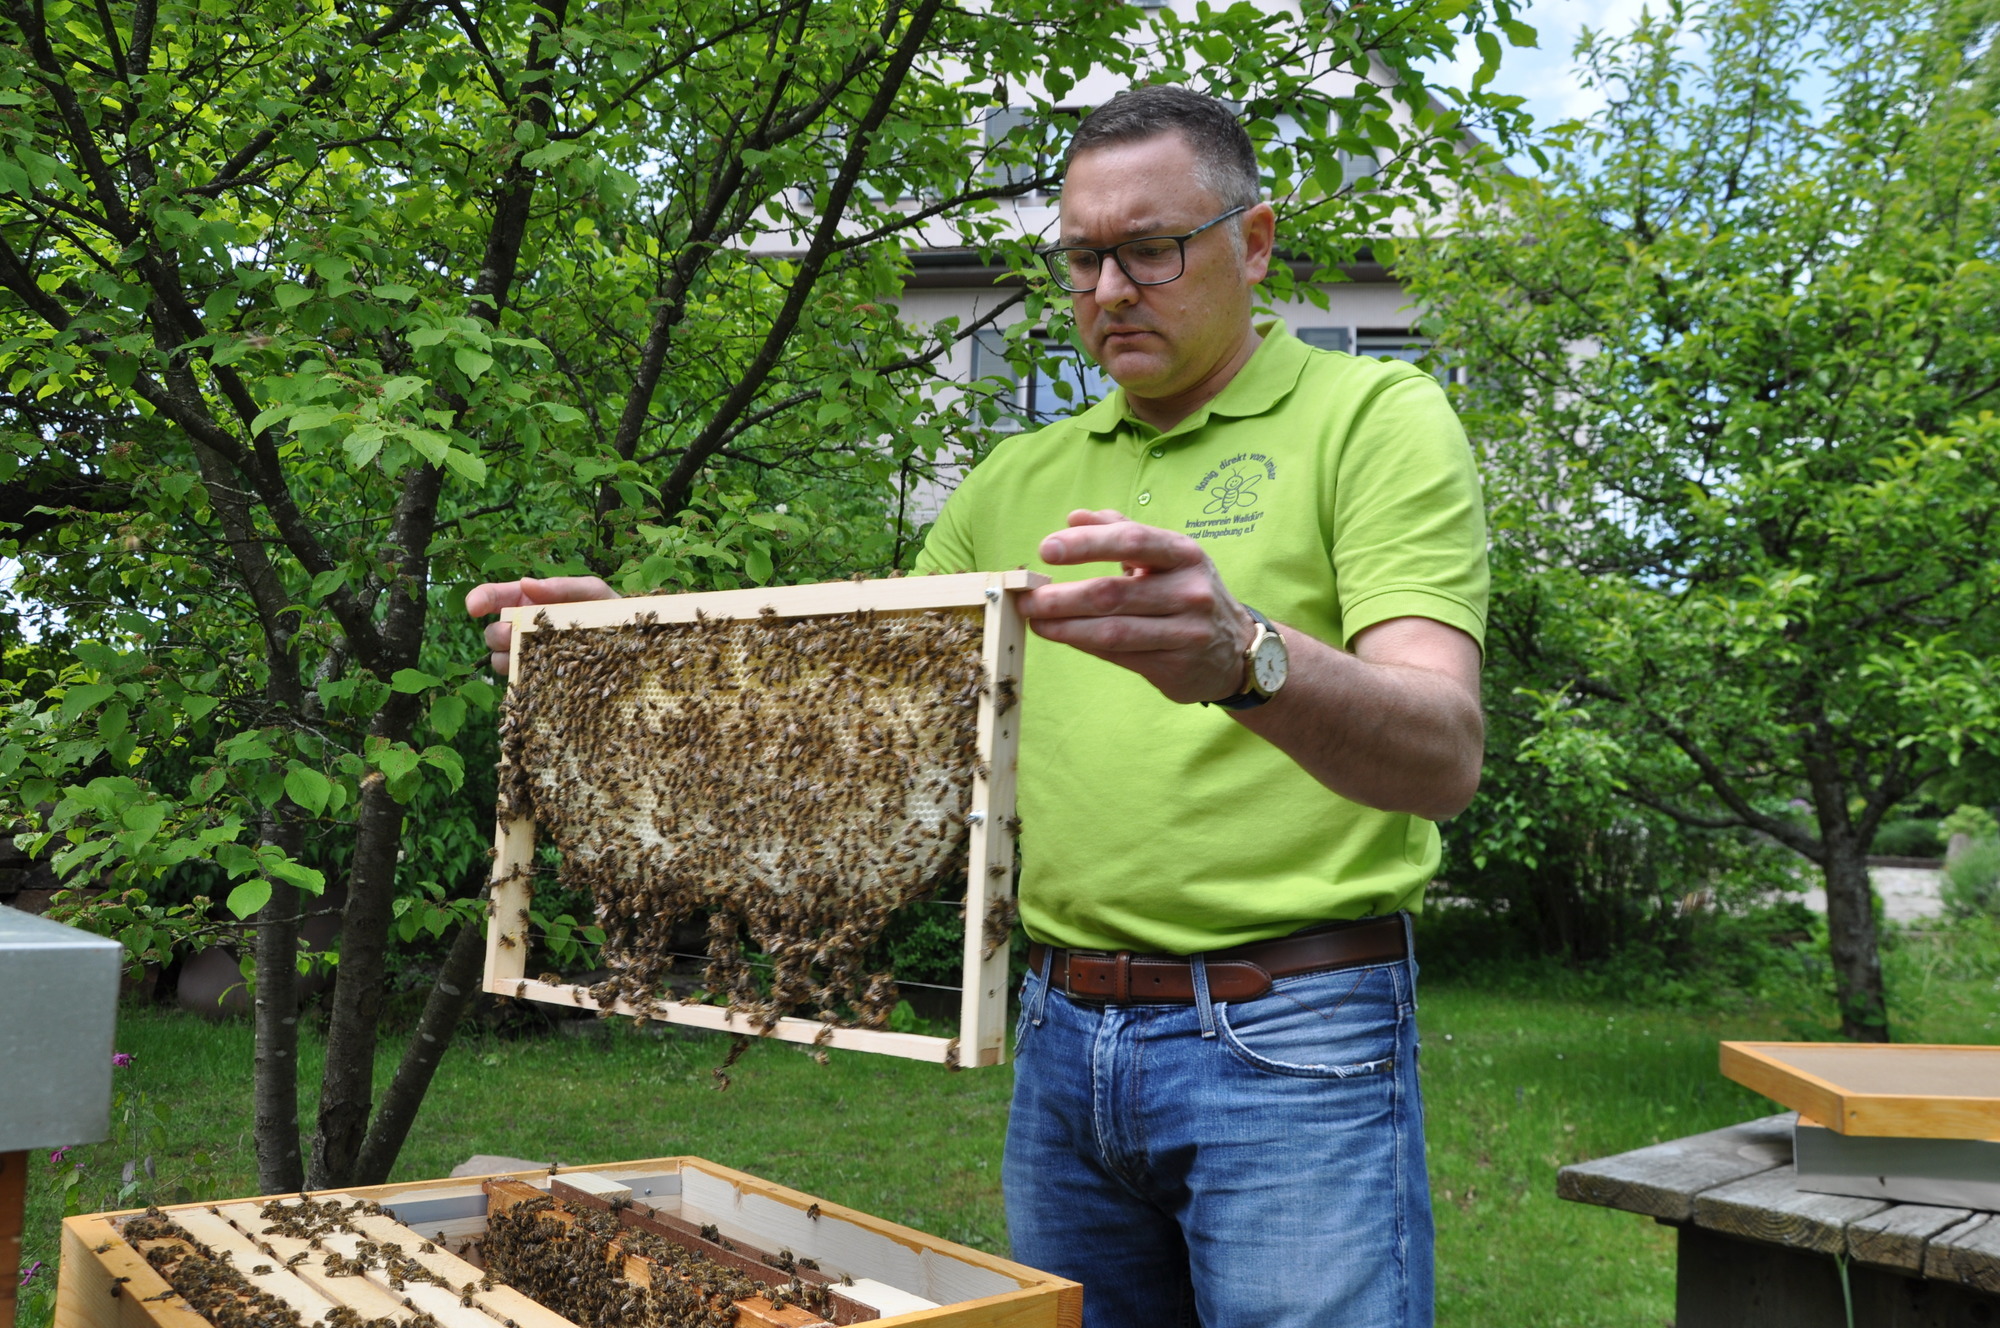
1269, 375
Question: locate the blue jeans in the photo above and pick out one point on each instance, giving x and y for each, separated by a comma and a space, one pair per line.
1256, 1165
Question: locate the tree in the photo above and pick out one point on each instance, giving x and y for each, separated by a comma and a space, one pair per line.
1733, 359
311, 316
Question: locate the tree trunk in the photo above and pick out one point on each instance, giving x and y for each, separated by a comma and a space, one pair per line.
1850, 928
277, 1022
449, 1000
347, 1087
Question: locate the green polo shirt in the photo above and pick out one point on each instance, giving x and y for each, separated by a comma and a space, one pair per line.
1333, 492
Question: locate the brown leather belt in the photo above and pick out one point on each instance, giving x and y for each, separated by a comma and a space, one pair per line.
1239, 974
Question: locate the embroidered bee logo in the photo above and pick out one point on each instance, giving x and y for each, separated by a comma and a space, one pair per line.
1237, 489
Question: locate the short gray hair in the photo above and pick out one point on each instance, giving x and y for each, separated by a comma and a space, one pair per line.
1225, 162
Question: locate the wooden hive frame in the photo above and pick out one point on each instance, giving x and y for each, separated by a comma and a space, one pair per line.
981, 1037
1905, 1090
106, 1282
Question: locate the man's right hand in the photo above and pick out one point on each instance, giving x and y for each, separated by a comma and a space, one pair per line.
497, 595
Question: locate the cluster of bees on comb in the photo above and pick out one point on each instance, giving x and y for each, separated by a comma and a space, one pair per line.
574, 1261
796, 780
217, 1290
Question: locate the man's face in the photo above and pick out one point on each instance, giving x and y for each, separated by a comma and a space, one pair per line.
1160, 342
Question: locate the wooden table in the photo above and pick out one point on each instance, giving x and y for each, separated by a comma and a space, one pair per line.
1756, 1252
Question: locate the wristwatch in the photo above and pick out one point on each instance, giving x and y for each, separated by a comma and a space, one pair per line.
1265, 666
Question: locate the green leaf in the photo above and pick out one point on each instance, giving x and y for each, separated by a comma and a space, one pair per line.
88, 696
390, 290
413, 680
144, 818
308, 788
431, 446
270, 415
291, 296
296, 873
244, 747
447, 716
465, 465
396, 761
1489, 59
470, 362
332, 579
363, 445
248, 897
447, 760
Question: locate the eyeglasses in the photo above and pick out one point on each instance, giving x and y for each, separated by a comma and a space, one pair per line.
1152, 260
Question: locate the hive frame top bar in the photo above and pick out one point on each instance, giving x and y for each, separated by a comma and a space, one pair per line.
990, 856
908, 594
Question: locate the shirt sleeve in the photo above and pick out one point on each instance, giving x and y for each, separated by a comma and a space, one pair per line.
1409, 517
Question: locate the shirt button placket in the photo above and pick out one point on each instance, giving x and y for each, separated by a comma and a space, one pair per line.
1145, 496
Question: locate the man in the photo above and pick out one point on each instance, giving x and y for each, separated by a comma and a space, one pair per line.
1192, 1138
1216, 1114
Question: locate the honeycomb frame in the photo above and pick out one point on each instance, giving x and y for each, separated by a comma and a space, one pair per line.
991, 822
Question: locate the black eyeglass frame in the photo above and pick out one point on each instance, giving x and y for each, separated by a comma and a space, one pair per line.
1050, 256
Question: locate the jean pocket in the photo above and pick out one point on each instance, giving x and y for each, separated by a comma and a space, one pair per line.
1022, 1022
1342, 1025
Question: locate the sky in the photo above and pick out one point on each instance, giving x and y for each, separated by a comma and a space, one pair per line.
1544, 75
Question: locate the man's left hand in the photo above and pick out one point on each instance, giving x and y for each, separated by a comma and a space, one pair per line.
1169, 618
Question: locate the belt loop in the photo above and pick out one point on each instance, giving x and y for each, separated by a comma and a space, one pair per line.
1198, 967
1042, 993
1121, 983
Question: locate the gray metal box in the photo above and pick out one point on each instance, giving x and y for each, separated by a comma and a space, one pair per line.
58, 1014
1951, 1173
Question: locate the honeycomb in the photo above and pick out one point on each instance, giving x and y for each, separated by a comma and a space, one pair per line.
796, 780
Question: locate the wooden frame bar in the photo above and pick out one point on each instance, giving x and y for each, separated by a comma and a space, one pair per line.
107, 1283
981, 1036
1908, 1090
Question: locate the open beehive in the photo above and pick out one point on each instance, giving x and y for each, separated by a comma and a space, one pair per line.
794, 764
666, 1243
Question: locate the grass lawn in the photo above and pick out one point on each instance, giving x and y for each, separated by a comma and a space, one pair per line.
1516, 1083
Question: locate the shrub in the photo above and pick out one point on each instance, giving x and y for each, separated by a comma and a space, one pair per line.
1970, 820
1972, 882
1909, 838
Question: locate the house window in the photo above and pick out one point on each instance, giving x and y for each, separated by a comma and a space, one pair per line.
1328, 338
1400, 343
1034, 396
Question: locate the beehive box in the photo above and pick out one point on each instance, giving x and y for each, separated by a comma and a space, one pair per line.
429, 1253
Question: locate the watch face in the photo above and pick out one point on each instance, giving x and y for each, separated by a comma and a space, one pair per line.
1269, 664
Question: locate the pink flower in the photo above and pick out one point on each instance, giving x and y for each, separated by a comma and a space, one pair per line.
121, 1059
59, 1154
